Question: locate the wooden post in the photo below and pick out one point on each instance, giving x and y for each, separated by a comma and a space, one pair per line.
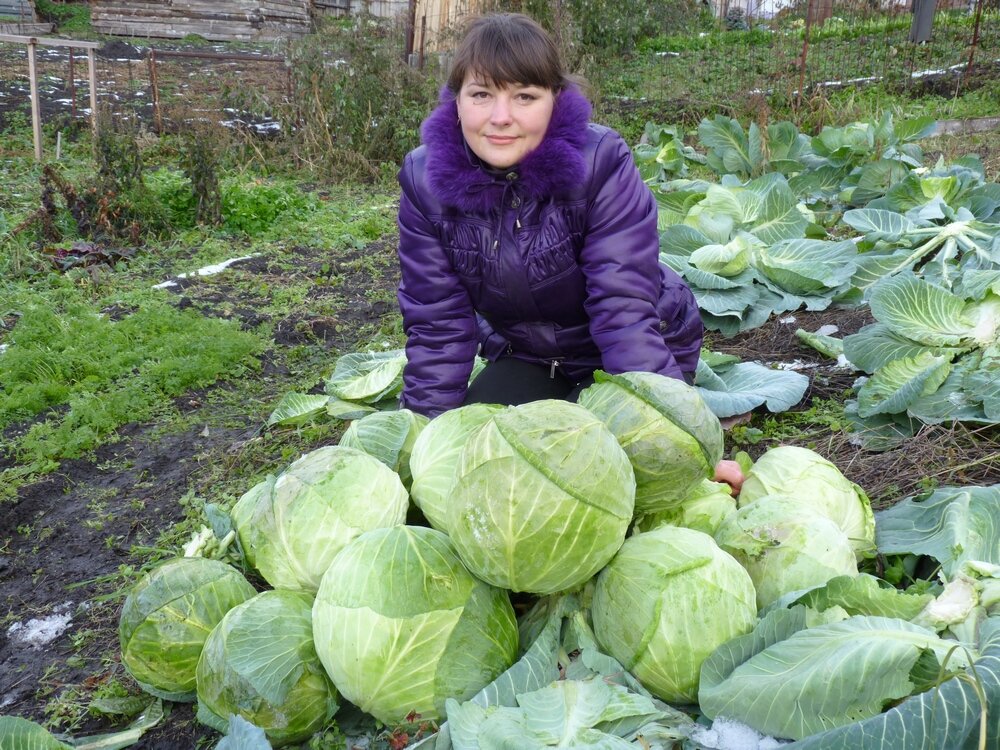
72, 87
423, 40
154, 90
36, 109
975, 41
92, 75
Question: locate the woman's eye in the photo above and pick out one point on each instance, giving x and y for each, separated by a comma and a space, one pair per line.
527, 97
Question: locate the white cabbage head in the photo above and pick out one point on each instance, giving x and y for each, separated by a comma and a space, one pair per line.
260, 663
543, 498
316, 506
401, 626
786, 546
668, 599
671, 437
435, 454
807, 476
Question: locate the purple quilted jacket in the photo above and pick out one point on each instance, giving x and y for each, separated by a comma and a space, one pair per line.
554, 260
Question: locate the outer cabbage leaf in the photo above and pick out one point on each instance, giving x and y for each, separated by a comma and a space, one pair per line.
822, 677
865, 595
899, 383
952, 524
808, 266
743, 387
367, 376
875, 346
951, 715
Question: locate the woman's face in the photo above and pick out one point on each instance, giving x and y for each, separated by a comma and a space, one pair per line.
503, 124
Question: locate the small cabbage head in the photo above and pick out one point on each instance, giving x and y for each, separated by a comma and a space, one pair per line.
167, 617
260, 663
543, 498
242, 515
666, 601
401, 625
704, 509
316, 506
807, 476
786, 546
388, 436
669, 434
434, 459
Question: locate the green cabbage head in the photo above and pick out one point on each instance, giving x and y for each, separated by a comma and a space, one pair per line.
401, 625
665, 602
434, 459
786, 546
703, 509
242, 515
260, 663
316, 506
389, 436
543, 498
671, 437
167, 617
807, 476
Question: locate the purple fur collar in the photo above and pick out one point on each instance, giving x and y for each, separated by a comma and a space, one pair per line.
458, 178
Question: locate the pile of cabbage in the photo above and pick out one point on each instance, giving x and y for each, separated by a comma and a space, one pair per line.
649, 601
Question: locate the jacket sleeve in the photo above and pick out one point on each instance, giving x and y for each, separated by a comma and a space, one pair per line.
438, 318
620, 260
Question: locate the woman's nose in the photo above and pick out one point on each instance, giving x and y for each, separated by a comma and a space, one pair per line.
500, 115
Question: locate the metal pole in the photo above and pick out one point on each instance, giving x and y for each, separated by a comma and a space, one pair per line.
36, 110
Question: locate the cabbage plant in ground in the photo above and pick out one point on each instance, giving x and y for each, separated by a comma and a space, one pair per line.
260, 663
933, 356
543, 497
315, 507
671, 437
668, 599
168, 615
400, 625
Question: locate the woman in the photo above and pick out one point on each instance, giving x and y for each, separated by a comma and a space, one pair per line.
528, 236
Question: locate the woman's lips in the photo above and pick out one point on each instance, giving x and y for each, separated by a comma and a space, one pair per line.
501, 140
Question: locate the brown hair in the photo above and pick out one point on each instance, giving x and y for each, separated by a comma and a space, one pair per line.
508, 48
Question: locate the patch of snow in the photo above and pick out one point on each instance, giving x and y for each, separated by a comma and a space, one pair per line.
827, 330
788, 320
844, 363
206, 271
794, 366
4, 347
729, 734
37, 632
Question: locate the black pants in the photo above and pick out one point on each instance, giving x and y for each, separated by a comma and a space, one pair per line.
510, 382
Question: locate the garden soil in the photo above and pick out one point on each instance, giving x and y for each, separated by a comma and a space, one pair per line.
73, 533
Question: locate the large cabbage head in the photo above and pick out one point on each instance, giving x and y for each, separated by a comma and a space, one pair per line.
807, 476
786, 546
316, 506
242, 515
665, 602
167, 617
434, 459
543, 498
671, 437
387, 435
260, 663
401, 625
